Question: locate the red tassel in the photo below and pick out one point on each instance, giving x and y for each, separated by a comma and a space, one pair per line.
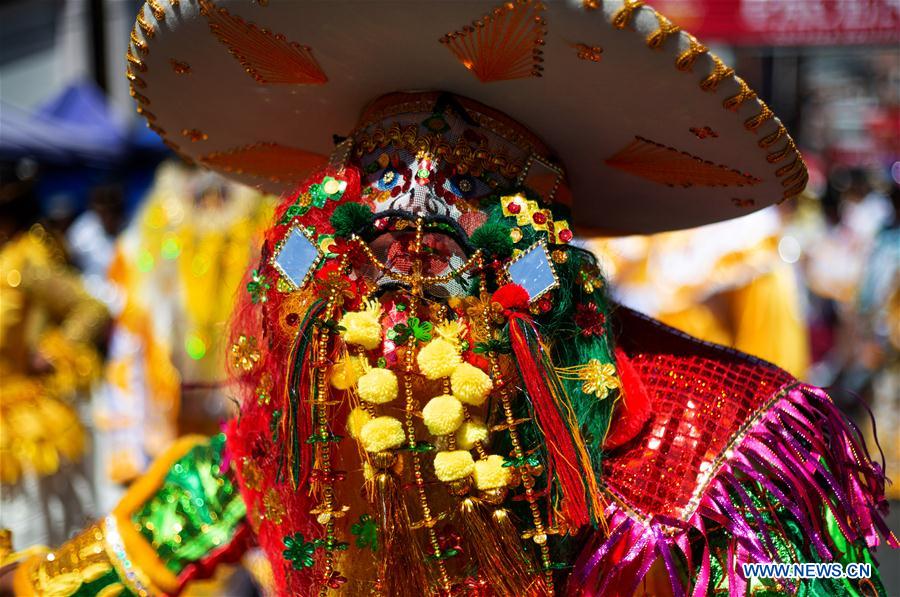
568, 458
633, 410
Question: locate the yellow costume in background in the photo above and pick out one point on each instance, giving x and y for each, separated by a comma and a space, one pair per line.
44, 312
179, 264
725, 283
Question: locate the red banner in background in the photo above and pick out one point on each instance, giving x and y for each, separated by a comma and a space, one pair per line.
787, 22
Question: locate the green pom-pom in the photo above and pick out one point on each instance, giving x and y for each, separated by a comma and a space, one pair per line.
351, 218
493, 239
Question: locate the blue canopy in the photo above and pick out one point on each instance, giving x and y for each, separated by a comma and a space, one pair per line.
75, 127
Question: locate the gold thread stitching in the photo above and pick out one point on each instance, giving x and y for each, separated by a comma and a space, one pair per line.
140, 44
137, 95
772, 138
136, 80
146, 28
797, 188
789, 169
796, 177
158, 11
777, 156
269, 58
666, 29
765, 114
145, 113
720, 71
502, 45
466, 157
744, 93
685, 60
137, 62
625, 14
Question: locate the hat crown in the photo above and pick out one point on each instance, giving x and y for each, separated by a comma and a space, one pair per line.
435, 154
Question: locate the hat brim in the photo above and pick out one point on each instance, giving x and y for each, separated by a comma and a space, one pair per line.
655, 132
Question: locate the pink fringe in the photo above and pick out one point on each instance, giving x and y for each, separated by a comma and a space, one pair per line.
804, 452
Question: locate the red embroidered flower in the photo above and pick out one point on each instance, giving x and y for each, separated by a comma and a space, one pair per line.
590, 320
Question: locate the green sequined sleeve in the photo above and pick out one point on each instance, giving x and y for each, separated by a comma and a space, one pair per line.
175, 523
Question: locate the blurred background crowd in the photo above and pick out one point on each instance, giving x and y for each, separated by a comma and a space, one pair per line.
118, 262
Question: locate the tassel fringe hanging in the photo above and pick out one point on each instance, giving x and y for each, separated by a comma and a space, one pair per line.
497, 548
569, 463
295, 458
802, 455
402, 571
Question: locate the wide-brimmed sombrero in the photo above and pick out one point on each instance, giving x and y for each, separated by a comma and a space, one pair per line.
655, 132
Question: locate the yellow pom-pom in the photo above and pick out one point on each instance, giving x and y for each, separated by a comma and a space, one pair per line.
470, 384
377, 386
347, 372
355, 421
381, 433
490, 473
438, 359
453, 466
469, 433
443, 415
363, 328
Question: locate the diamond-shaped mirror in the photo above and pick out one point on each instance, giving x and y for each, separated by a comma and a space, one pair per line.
533, 271
295, 257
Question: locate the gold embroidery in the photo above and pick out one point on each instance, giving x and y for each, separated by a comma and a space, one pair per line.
790, 171
158, 11
624, 15
181, 68
466, 157
504, 44
146, 28
266, 160
686, 59
773, 138
734, 102
269, 58
720, 71
138, 43
590, 4
666, 165
777, 156
274, 509
146, 113
137, 62
590, 53
136, 80
194, 135
666, 29
765, 114
137, 95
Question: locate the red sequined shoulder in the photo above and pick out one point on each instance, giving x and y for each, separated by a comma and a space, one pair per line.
701, 398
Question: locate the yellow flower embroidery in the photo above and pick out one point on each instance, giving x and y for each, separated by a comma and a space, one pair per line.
597, 378
244, 354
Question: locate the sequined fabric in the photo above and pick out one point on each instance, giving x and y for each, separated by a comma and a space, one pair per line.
702, 397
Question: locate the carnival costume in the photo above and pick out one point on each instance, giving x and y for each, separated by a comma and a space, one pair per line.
436, 395
45, 313
179, 265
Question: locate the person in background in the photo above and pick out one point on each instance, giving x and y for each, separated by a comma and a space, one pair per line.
726, 283
177, 267
50, 329
92, 240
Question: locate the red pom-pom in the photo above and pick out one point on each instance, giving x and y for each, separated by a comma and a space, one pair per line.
512, 297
